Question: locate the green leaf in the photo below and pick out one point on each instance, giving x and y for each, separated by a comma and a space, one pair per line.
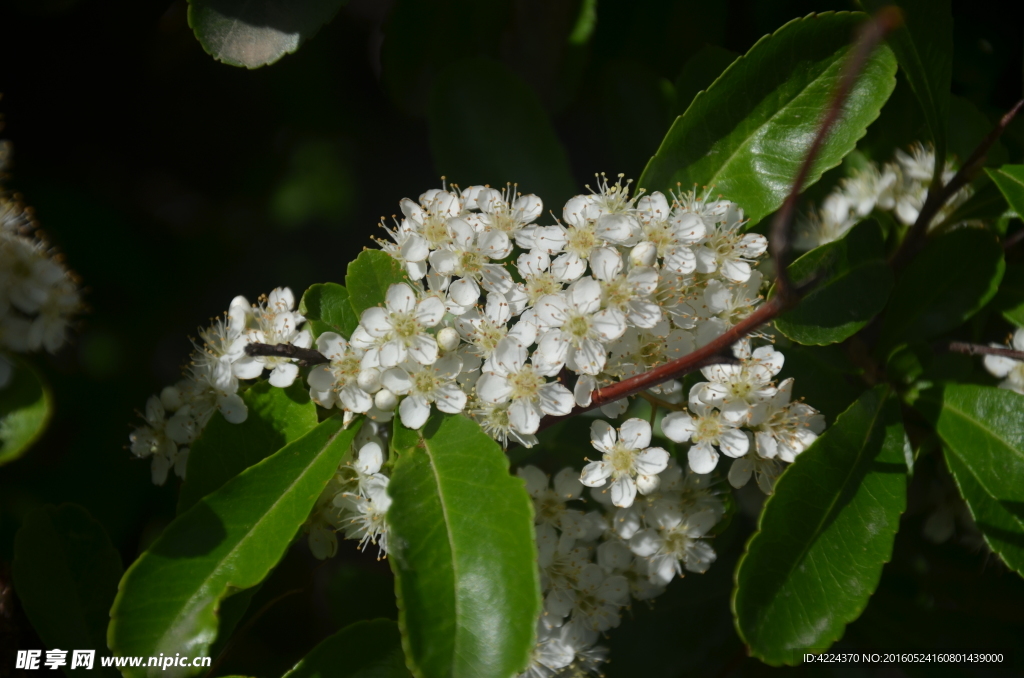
327, 308
1010, 299
488, 127
366, 649
824, 535
26, 406
856, 281
699, 72
253, 34
1010, 180
983, 431
943, 286
168, 599
369, 277
66, 573
924, 48
277, 416
463, 553
749, 132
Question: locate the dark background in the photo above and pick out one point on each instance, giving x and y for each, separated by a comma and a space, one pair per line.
173, 182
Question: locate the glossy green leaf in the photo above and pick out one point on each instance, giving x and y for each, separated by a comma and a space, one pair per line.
1010, 180
252, 33
749, 132
369, 277
699, 71
854, 286
983, 431
924, 48
824, 535
66, 573
277, 416
228, 541
26, 406
463, 553
327, 308
954, 275
488, 127
366, 649
1010, 299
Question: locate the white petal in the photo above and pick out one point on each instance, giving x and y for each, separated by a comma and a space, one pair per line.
623, 491
450, 398
396, 380
678, 427
493, 388
635, 434
424, 349
605, 262
702, 457
602, 436
595, 474
414, 411
524, 416
376, 321
429, 311
400, 298
284, 375
734, 442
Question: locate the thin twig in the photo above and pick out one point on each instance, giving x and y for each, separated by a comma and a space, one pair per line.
873, 32
937, 197
305, 356
978, 349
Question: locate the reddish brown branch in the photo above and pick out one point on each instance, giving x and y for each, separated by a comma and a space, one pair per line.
305, 356
978, 349
939, 195
870, 36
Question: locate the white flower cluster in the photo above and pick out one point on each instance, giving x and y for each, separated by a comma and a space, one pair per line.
210, 381
355, 500
1009, 370
593, 563
39, 296
900, 187
620, 285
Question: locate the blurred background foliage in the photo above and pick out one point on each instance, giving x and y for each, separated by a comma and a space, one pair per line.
173, 182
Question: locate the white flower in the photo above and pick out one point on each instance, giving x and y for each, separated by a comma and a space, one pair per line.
783, 429
767, 472
628, 460
576, 329
468, 257
367, 467
153, 441
676, 544
735, 389
508, 377
495, 421
549, 503
365, 518
396, 332
596, 598
673, 233
707, 429
341, 381
1009, 370
730, 252
627, 293
425, 384
485, 328
276, 323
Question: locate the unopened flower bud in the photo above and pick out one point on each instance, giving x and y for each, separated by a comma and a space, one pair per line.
385, 400
369, 380
448, 339
644, 254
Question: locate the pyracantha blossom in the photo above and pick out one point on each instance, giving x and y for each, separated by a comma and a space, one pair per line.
628, 462
508, 377
1009, 370
423, 385
675, 544
397, 332
708, 429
